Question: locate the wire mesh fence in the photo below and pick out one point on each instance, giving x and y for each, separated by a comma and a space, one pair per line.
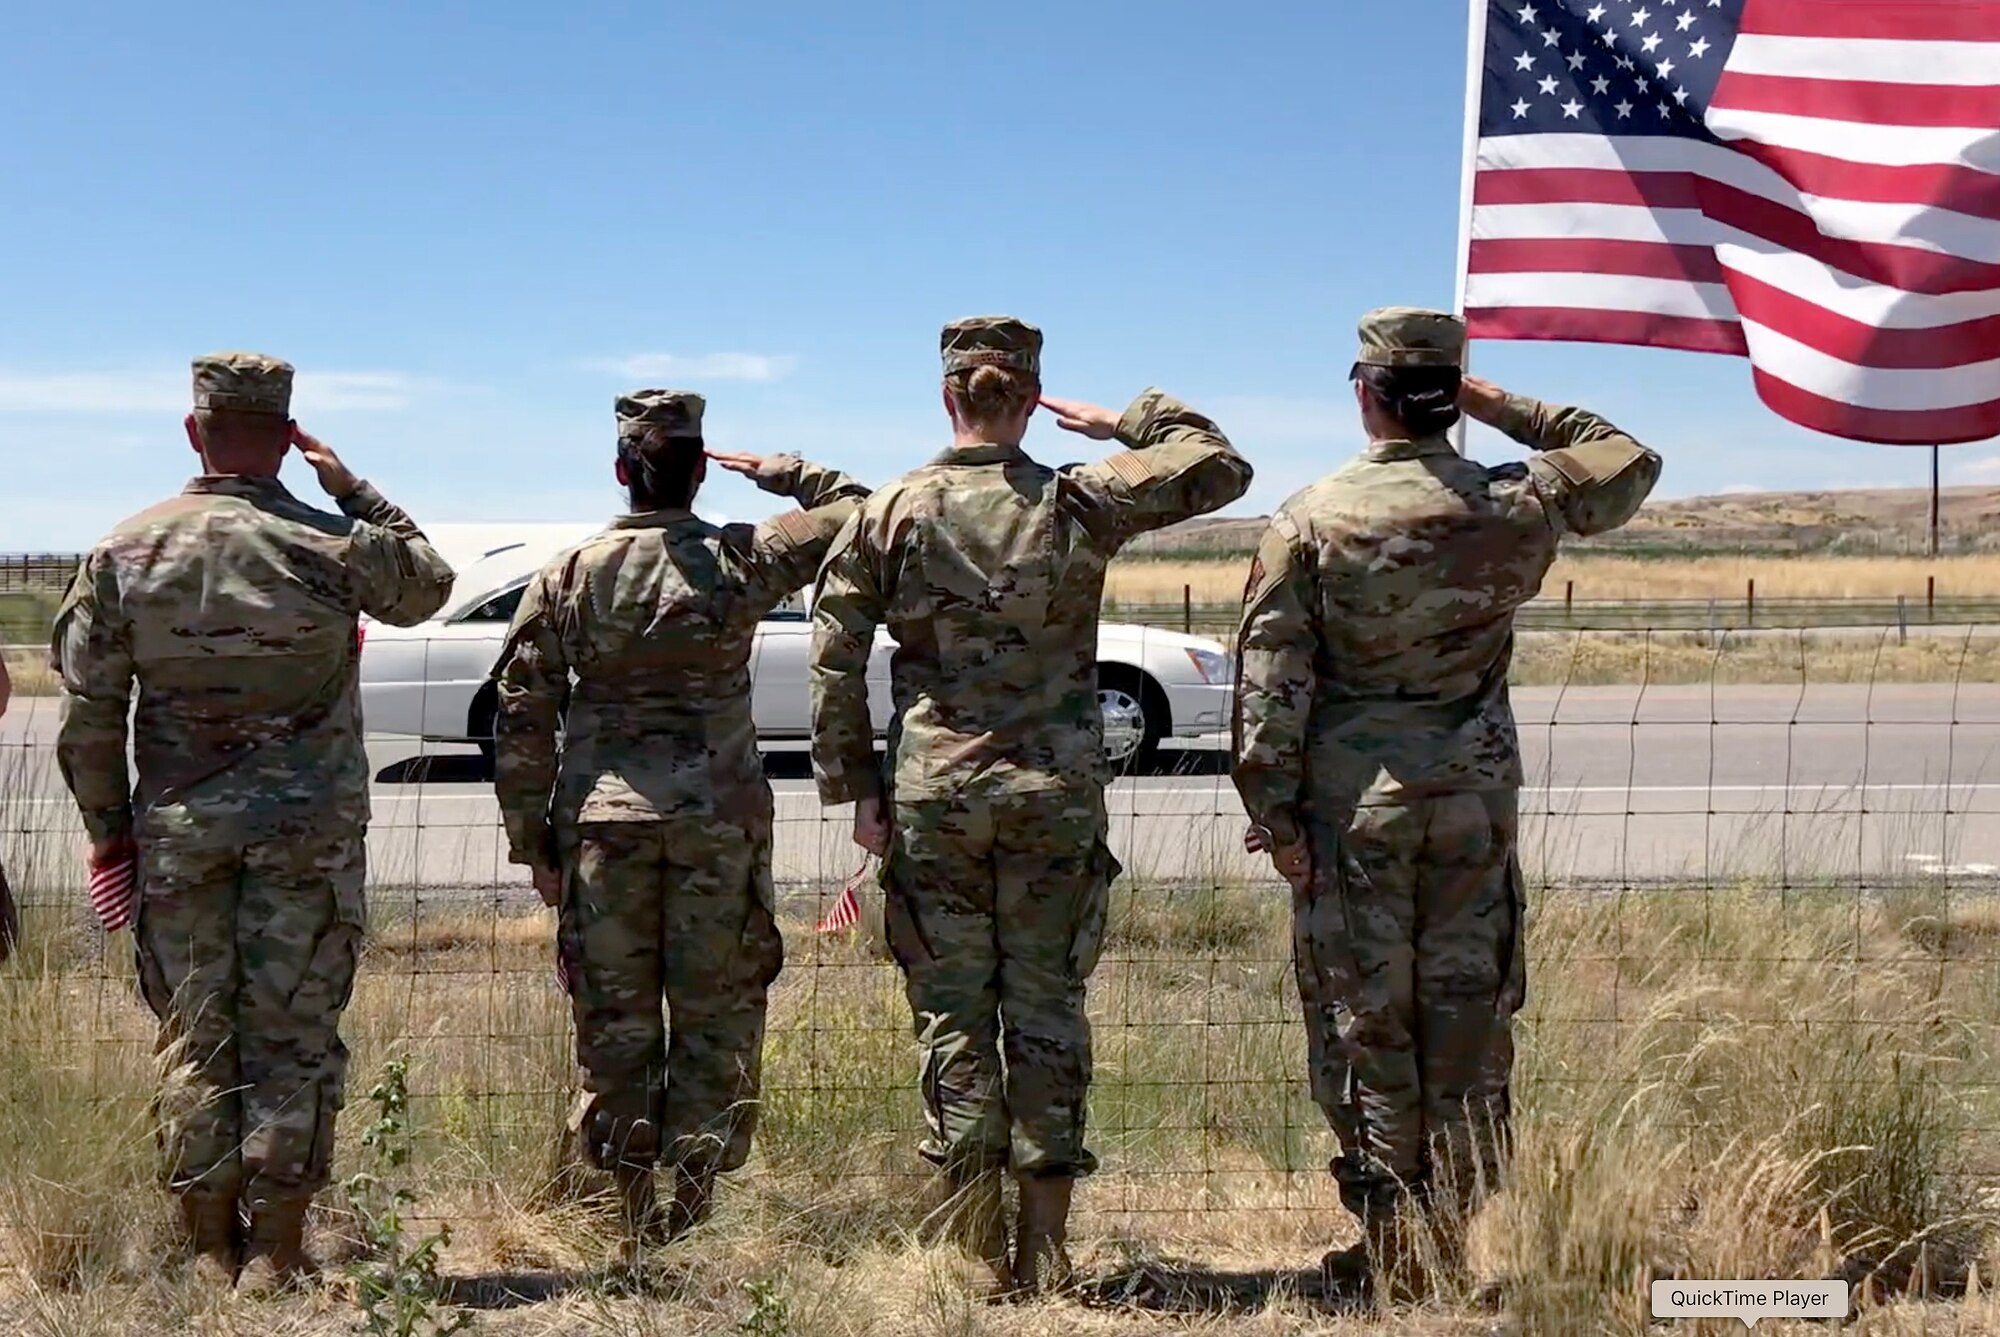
1562, 611
1761, 875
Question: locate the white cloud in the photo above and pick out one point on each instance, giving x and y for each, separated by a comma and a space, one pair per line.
1739, 489
152, 392
357, 391
93, 392
712, 367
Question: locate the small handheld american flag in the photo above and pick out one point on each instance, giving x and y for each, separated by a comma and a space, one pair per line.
846, 911
114, 892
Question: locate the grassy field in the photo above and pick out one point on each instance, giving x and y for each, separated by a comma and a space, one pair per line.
25, 616
29, 671
1163, 580
1719, 1084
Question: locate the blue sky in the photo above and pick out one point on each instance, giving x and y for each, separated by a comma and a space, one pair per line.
471, 225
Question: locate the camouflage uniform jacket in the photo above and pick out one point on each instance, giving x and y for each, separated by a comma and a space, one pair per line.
988, 569
1378, 626
234, 607
636, 644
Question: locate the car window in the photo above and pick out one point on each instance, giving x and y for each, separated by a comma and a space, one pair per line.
500, 608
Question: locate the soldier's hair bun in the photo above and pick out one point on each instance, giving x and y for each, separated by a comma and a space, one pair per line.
1423, 400
661, 469
990, 394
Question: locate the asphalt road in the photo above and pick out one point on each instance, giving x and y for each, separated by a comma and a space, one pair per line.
1665, 783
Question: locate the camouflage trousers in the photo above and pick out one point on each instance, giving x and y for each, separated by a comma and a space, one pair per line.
995, 912
247, 957
680, 910
1410, 969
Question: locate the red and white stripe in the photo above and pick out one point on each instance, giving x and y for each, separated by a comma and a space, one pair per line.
114, 893
1845, 236
846, 912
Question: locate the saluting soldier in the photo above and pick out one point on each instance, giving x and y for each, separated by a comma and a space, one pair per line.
1376, 753
988, 568
650, 825
233, 611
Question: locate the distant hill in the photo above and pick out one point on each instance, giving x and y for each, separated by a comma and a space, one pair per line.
1860, 522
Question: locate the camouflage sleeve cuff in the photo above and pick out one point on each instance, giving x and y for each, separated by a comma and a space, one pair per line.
109, 825
1522, 419
365, 503
1139, 427
780, 474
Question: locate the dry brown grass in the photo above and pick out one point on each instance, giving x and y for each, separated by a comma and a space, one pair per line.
29, 672
1598, 576
1545, 659
1697, 1072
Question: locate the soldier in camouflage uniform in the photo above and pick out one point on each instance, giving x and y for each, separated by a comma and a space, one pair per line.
651, 825
988, 568
233, 610
1376, 754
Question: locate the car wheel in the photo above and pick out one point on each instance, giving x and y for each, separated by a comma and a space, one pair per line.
479, 724
1135, 716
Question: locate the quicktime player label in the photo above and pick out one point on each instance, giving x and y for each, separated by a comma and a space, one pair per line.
1750, 1301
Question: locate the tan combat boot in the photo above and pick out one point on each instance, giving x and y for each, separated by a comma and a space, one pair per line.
1383, 1267
1041, 1266
276, 1260
694, 1198
639, 1222
212, 1235
973, 1216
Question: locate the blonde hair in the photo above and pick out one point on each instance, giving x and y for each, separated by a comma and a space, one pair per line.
985, 396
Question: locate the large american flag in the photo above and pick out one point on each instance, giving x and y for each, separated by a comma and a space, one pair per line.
1813, 183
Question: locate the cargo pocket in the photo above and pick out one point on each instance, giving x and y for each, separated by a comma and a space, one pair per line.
1305, 961
327, 985
1322, 937
569, 950
900, 924
763, 944
1087, 934
1514, 949
318, 1167
153, 990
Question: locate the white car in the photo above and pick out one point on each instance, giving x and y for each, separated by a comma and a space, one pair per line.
435, 681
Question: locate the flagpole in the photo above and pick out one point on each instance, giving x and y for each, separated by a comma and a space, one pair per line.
1475, 78
1935, 506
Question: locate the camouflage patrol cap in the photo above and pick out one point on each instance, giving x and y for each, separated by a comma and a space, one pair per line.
1404, 336
991, 341
673, 413
246, 382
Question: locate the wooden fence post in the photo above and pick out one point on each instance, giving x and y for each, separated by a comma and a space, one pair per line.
1187, 609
